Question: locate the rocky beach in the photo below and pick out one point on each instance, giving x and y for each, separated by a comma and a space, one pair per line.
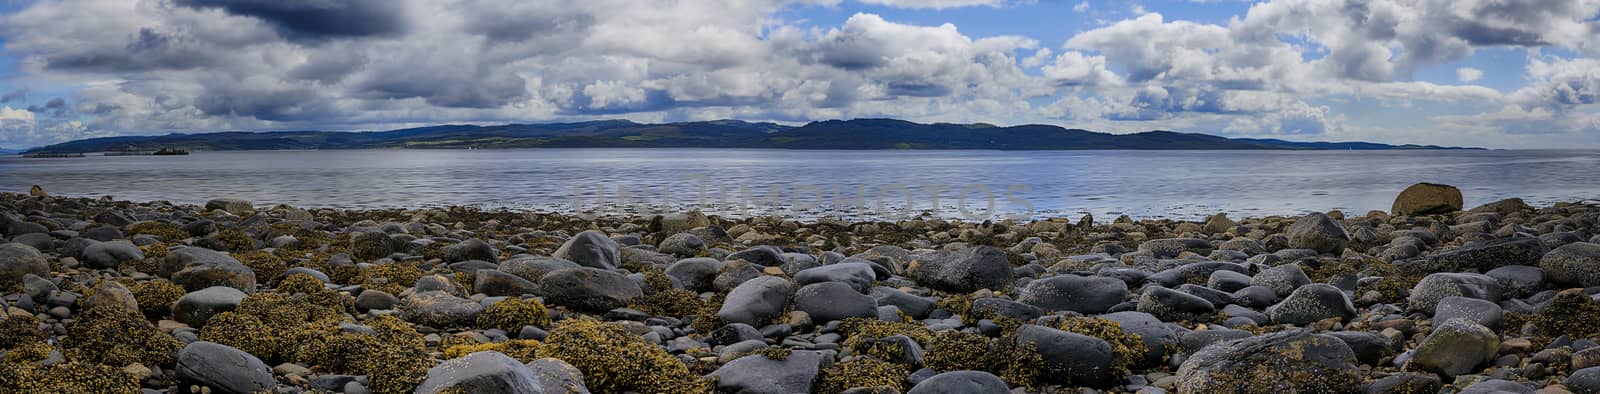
106, 296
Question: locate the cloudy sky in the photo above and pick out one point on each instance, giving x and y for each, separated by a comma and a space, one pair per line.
1497, 73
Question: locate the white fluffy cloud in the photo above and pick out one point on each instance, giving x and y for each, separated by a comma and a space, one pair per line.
156, 66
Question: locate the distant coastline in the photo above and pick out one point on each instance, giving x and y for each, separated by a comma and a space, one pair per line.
857, 134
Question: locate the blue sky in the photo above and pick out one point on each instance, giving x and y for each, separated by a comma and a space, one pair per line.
1398, 71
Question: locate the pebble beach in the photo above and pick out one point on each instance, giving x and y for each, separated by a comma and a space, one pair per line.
107, 296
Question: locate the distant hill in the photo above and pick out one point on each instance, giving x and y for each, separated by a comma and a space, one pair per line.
832, 134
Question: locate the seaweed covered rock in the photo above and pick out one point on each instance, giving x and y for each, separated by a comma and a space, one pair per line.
760, 374
1082, 294
1295, 361
589, 289
110, 293
963, 271
1427, 199
116, 336
614, 360
236, 206
591, 249
481, 372
1071, 358
223, 369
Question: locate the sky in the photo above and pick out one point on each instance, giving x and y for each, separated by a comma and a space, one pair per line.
1489, 73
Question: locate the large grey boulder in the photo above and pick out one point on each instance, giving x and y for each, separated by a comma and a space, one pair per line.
1172, 305
1294, 361
963, 271
558, 377
1311, 303
1283, 279
199, 306
481, 372
829, 301
1456, 347
961, 382
535, 267
1156, 335
757, 374
589, 289
591, 249
1082, 294
472, 249
756, 302
223, 369
110, 254
1484, 256
1070, 358
1425, 295
1317, 231
696, 274
197, 268
1575, 264
437, 308
858, 276
18, 260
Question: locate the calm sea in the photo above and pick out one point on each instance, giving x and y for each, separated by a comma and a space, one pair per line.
803, 183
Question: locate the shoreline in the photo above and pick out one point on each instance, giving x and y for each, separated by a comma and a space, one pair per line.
1447, 296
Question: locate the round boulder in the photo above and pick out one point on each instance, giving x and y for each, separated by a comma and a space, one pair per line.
963, 271
223, 369
591, 249
1295, 361
1575, 264
1082, 294
588, 289
481, 372
1317, 231
1427, 199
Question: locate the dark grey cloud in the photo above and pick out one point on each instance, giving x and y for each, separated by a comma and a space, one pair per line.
318, 19
16, 95
55, 107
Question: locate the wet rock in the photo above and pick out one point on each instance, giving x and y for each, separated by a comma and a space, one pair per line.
1406, 382
1317, 231
111, 254
961, 382
962, 271
758, 374
858, 276
756, 301
1584, 381
1228, 281
1482, 312
765, 256
682, 244
481, 372
198, 306
1082, 294
1484, 256
439, 309
1457, 347
1311, 303
588, 289
696, 274
993, 307
917, 307
534, 268
1575, 264
1157, 337
375, 299
1282, 280
558, 377
1426, 294
18, 260
1370, 348
829, 301
495, 283
197, 268
1518, 280
110, 293
1427, 199
1286, 361
1070, 358
223, 369
1497, 386
1172, 305
472, 249
591, 249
